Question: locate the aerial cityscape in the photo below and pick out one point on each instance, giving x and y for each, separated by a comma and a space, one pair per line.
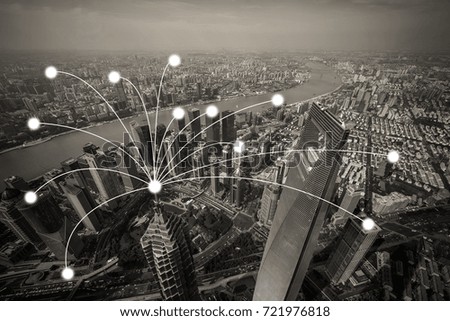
223, 173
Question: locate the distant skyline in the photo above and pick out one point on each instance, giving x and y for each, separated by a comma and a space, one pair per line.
265, 25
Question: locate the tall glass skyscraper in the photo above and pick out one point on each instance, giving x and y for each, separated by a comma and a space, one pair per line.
53, 227
299, 217
166, 245
353, 245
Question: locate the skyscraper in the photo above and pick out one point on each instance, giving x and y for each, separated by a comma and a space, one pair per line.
350, 250
80, 176
236, 191
141, 136
128, 167
213, 128
170, 149
120, 90
82, 204
269, 203
194, 113
15, 221
228, 129
106, 182
52, 226
227, 164
181, 123
166, 245
299, 216
215, 185
349, 202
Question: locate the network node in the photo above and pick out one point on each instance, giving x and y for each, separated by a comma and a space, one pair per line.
51, 72
368, 224
174, 60
67, 273
393, 156
34, 123
178, 113
277, 100
114, 77
212, 111
239, 146
30, 197
154, 186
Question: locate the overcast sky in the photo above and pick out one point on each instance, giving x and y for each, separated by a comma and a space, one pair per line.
225, 24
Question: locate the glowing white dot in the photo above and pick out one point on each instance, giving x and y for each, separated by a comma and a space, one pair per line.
51, 72
368, 224
30, 197
178, 113
393, 156
212, 111
277, 100
174, 60
239, 146
67, 273
154, 187
114, 77
34, 123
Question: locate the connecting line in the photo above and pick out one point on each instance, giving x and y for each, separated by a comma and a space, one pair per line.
260, 154
219, 120
104, 139
160, 146
157, 108
91, 211
178, 134
272, 183
104, 99
146, 115
87, 169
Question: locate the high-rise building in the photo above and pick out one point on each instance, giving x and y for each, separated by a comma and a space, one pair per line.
280, 171
15, 221
53, 178
52, 226
80, 176
181, 123
299, 216
227, 165
17, 182
349, 202
269, 203
106, 182
197, 165
215, 185
166, 245
228, 129
236, 191
127, 166
353, 245
142, 138
82, 204
194, 118
120, 90
170, 149
212, 128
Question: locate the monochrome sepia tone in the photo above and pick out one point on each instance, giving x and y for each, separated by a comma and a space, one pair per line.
225, 150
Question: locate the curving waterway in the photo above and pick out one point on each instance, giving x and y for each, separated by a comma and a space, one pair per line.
35, 160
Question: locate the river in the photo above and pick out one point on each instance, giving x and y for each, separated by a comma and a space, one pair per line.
35, 160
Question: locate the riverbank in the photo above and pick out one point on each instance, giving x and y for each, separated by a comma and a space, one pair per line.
35, 160
160, 109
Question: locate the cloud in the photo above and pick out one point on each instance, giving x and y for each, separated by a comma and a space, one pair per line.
232, 24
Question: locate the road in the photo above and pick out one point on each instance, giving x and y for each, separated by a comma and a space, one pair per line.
214, 248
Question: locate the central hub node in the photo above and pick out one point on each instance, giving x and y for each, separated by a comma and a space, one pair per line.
154, 186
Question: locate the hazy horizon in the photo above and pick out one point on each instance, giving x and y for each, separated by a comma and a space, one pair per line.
214, 25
